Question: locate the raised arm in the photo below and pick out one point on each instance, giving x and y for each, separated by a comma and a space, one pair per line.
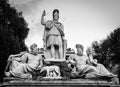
42, 18
90, 56
92, 61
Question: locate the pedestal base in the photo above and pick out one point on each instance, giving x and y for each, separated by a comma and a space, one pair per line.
60, 83
65, 71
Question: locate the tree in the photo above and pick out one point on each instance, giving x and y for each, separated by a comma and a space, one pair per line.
115, 45
108, 50
97, 51
13, 32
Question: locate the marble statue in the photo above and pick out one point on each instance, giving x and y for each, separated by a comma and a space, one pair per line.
55, 64
14, 61
29, 64
51, 71
85, 66
54, 43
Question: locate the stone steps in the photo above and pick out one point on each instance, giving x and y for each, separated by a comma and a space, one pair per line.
59, 83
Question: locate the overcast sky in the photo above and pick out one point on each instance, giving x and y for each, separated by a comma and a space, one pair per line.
84, 20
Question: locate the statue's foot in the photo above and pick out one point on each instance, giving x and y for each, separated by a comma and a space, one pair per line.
53, 58
7, 74
61, 57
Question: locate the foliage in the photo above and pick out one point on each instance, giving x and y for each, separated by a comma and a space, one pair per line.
13, 32
107, 51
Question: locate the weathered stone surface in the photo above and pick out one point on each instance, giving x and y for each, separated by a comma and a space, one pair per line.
64, 69
58, 83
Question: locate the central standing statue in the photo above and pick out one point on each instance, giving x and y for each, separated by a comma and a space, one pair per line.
53, 36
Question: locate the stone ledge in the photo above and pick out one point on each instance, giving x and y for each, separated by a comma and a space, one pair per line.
59, 83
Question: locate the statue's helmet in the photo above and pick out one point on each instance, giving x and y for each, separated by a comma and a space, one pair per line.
55, 10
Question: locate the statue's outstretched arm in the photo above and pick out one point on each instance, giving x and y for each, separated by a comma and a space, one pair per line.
90, 54
42, 18
15, 56
40, 63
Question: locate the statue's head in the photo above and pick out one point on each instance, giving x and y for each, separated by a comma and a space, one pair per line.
80, 49
55, 14
34, 49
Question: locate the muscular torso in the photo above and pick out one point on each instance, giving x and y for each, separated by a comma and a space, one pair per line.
32, 60
80, 60
53, 27
54, 31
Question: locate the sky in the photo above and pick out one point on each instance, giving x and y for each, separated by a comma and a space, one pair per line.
84, 21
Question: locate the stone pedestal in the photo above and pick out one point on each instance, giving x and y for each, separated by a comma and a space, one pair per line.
64, 70
59, 83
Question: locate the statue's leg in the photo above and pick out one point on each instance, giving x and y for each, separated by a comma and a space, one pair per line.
20, 71
53, 51
102, 70
60, 51
57, 69
14, 64
90, 71
64, 47
8, 74
92, 75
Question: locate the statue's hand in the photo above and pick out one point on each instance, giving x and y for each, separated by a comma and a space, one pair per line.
95, 61
44, 13
39, 68
10, 58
